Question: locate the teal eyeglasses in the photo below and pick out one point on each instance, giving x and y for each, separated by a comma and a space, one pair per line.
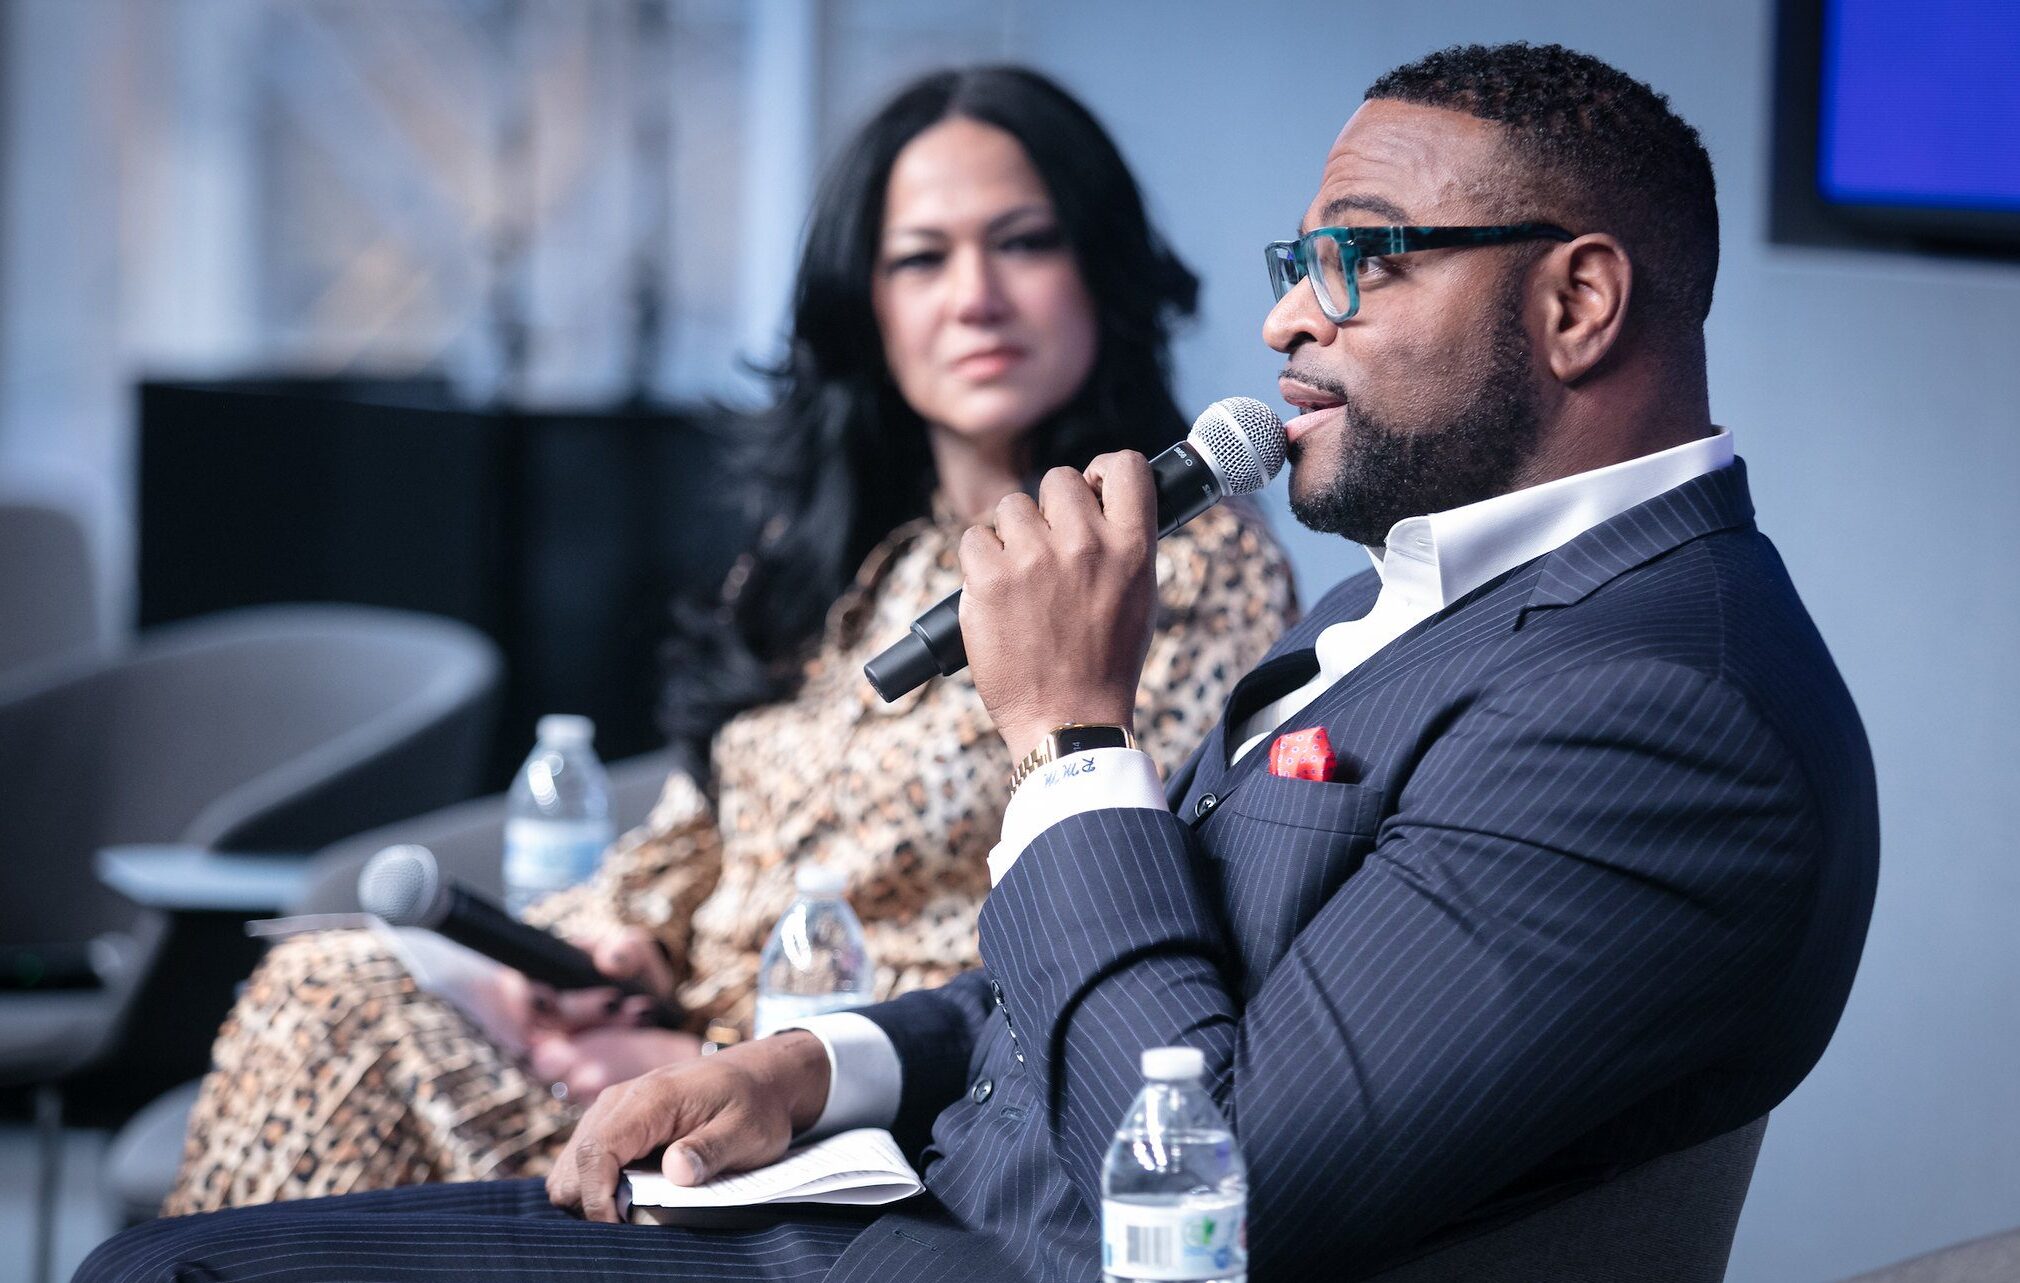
1332, 257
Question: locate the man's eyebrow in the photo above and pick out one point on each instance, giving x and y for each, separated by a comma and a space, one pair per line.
1387, 211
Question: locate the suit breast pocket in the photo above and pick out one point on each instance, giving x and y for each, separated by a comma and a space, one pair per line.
1319, 805
1279, 849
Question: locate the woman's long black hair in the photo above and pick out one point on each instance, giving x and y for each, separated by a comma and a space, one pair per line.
841, 460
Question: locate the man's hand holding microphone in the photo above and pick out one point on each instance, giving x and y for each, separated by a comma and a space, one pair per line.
1056, 619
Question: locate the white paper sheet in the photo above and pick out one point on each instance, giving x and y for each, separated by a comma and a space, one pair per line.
862, 1168
461, 976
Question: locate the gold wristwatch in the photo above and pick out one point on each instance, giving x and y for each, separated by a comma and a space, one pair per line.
1065, 741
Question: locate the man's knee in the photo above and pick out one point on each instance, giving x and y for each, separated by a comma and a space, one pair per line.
145, 1252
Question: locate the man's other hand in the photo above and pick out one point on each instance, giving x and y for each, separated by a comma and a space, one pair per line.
1060, 597
729, 1112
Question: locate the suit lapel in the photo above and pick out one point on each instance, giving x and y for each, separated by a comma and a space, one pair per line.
1350, 599
1488, 610
1271, 681
1565, 576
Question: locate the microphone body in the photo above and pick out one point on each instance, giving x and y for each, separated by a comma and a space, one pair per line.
404, 886
1235, 447
475, 923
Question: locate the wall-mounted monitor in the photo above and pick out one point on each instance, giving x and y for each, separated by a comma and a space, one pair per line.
1898, 125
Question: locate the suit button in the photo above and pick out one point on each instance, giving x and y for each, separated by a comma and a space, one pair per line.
981, 1091
1206, 803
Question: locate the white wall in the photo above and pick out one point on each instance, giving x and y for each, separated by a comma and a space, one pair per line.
1874, 398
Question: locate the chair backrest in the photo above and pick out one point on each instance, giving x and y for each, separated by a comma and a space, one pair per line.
1669, 1220
48, 602
1994, 1258
468, 839
277, 728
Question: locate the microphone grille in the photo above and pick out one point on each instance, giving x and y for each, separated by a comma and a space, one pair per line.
1244, 438
400, 884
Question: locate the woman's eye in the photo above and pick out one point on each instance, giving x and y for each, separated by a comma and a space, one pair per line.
919, 260
1038, 241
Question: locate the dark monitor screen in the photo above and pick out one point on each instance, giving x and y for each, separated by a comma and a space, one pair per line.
1898, 125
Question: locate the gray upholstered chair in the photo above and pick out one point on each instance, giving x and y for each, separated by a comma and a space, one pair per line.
1992, 1259
467, 840
1670, 1220
48, 601
271, 730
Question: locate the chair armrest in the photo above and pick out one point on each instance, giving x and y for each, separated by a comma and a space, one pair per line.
193, 878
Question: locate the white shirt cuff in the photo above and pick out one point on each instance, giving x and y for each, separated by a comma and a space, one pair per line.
1096, 780
864, 1076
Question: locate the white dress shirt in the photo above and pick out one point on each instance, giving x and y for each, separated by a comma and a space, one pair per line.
1428, 563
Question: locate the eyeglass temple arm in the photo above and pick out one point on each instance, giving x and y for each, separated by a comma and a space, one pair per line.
1401, 240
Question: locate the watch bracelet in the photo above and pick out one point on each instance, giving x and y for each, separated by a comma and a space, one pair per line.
1043, 753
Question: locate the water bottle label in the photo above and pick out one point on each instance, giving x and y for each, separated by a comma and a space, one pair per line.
547, 855
1150, 1242
776, 1011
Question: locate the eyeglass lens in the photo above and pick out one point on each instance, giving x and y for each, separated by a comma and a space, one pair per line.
1331, 278
1326, 263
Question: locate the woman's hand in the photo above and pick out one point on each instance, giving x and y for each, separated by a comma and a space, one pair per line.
628, 954
593, 1059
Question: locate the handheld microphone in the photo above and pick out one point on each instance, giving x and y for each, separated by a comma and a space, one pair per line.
404, 885
1235, 447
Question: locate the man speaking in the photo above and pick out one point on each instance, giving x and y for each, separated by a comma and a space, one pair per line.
1542, 849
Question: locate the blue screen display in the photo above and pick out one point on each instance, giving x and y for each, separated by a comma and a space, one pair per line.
1921, 104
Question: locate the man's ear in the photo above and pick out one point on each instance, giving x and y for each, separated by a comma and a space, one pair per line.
1588, 282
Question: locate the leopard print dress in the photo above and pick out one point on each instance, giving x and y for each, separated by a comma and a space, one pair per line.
336, 1073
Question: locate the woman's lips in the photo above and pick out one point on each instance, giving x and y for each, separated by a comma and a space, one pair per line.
1316, 417
989, 363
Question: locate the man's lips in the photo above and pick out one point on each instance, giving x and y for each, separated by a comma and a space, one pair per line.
1316, 408
1301, 425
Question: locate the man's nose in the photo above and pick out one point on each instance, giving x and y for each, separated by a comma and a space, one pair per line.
1297, 319
978, 287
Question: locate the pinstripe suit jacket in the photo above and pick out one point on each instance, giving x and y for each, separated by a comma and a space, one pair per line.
1594, 889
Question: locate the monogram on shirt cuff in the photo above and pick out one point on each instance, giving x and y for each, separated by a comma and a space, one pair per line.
1096, 780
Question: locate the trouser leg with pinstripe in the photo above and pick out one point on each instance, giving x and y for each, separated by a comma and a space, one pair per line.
488, 1230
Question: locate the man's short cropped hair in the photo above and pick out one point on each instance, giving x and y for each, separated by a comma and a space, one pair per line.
1598, 151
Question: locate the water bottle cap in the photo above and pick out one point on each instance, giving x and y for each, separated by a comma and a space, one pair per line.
819, 879
565, 729
1173, 1064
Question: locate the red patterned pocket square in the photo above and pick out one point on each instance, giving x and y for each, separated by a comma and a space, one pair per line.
1303, 755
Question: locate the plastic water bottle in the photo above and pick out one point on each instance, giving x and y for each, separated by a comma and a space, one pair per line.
1174, 1191
557, 813
815, 961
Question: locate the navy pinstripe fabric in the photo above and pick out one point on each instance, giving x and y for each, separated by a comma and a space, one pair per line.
1593, 889
496, 1230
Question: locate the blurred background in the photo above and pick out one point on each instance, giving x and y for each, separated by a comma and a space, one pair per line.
428, 305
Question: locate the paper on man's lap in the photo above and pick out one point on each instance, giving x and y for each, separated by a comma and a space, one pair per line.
860, 1168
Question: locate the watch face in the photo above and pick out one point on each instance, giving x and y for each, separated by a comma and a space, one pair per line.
1079, 739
